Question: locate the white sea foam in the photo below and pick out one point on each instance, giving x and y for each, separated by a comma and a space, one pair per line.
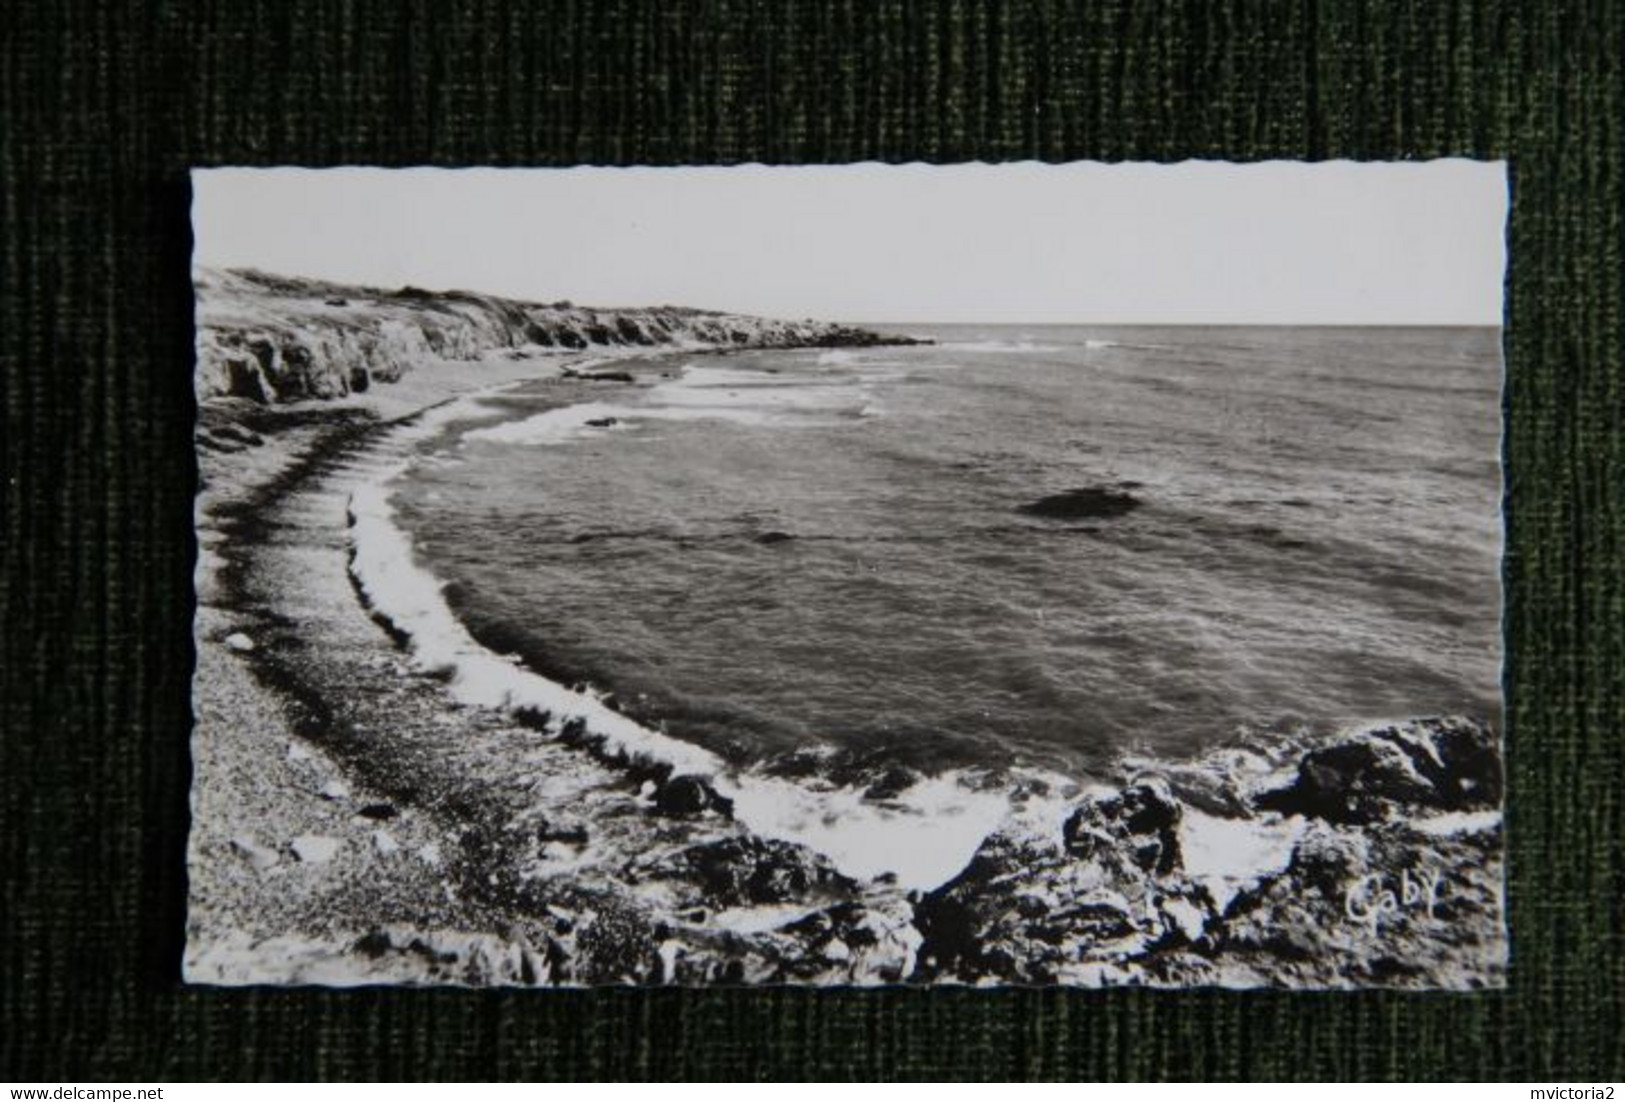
924, 837
1458, 822
1000, 346
759, 919
695, 377
1228, 855
700, 393
554, 426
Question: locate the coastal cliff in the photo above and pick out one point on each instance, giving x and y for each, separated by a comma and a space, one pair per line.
273, 339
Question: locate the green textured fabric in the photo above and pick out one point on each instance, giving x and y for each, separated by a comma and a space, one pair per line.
104, 108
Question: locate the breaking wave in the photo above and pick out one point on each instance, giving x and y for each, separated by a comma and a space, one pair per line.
1018, 346
697, 393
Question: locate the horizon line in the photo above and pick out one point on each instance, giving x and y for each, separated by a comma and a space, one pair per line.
1208, 324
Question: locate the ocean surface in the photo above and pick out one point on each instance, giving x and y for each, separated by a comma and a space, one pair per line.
819, 560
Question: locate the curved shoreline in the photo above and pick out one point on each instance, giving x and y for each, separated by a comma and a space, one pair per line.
511, 855
919, 838
707, 900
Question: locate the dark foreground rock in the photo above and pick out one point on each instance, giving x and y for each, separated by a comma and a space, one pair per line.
1028, 912
688, 795
1380, 864
743, 871
1139, 824
1378, 774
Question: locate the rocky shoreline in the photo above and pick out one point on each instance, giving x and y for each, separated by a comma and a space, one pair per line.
1377, 862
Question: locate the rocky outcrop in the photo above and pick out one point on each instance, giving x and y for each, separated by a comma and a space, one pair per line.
1025, 911
268, 338
1084, 503
1159, 880
745, 871
1139, 824
1378, 864
1384, 772
686, 795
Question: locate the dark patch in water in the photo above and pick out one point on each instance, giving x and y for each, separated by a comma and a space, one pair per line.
774, 537
1258, 503
1083, 503
1276, 538
595, 537
599, 376
891, 783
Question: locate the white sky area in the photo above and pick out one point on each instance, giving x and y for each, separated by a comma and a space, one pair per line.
1194, 243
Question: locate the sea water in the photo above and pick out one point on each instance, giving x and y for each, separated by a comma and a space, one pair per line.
817, 559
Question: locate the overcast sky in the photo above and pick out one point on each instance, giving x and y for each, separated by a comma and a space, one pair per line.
1193, 243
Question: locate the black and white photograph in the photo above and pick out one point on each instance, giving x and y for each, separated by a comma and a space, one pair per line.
1078, 575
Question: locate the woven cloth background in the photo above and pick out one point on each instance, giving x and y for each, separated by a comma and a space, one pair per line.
104, 108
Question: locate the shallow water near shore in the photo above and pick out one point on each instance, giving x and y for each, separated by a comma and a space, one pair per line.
824, 561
